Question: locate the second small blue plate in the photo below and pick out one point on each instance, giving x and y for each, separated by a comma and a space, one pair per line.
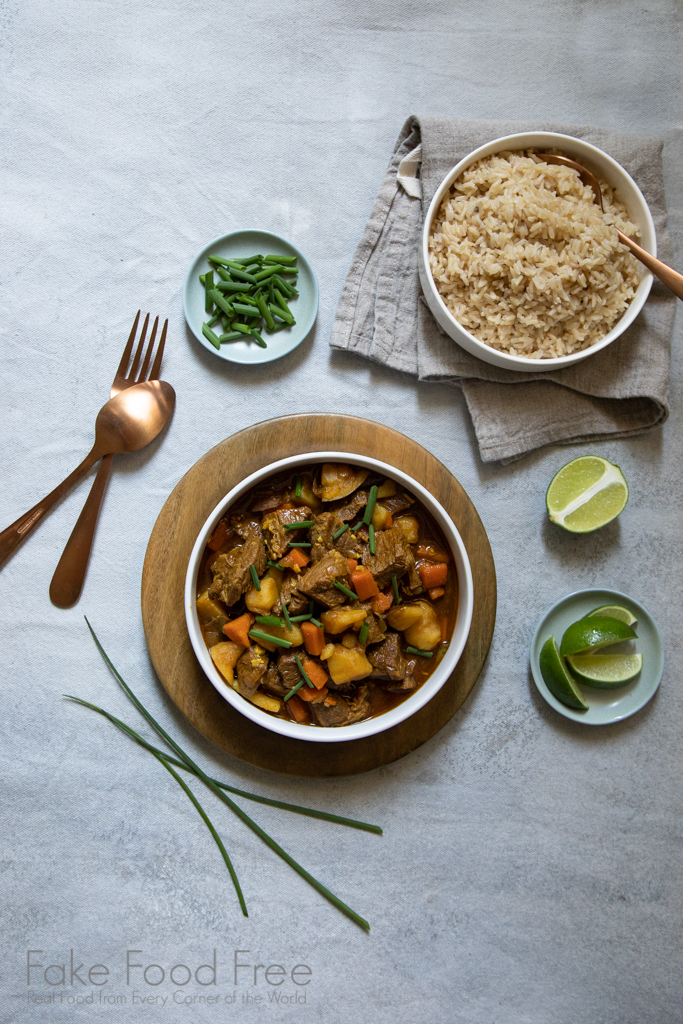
604, 706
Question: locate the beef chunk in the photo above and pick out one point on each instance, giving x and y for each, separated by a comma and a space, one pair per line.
251, 666
400, 686
231, 575
296, 603
288, 668
387, 659
349, 544
272, 681
392, 556
318, 582
345, 711
322, 537
274, 531
398, 503
377, 627
346, 509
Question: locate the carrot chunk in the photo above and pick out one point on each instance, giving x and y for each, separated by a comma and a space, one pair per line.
296, 559
364, 583
297, 709
219, 536
314, 638
433, 575
382, 603
238, 629
307, 694
352, 564
432, 552
435, 593
315, 672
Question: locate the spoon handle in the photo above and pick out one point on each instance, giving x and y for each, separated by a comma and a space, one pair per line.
13, 535
69, 576
666, 275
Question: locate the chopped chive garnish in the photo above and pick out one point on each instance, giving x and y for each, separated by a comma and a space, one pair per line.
394, 584
357, 526
298, 544
371, 534
297, 489
271, 620
258, 635
303, 673
276, 565
288, 621
422, 654
364, 630
210, 336
345, 590
342, 529
254, 576
316, 622
300, 618
370, 507
299, 526
294, 689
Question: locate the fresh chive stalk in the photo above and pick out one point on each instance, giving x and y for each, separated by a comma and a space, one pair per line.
254, 577
256, 634
422, 654
345, 590
299, 526
298, 544
209, 334
342, 529
294, 689
297, 488
370, 507
316, 622
276, 565
394, 584
271, 620
300, 618
371, 539
363, 634
303, 673
288, 621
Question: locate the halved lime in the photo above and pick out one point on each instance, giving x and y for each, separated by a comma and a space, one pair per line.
614, 611
587, 493
605, 670
556, 677
590, 634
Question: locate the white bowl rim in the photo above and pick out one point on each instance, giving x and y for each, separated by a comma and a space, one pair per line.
410, 705
646, 281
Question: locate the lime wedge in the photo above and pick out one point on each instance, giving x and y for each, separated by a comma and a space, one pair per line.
587, 493
590, 634
556, 677
605, 670
614, 611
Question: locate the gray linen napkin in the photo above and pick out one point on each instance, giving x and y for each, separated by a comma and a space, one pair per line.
620, 391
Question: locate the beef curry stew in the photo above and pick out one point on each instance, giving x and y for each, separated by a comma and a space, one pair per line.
327, 595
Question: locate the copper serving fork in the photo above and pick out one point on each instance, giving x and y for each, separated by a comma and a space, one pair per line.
67, 582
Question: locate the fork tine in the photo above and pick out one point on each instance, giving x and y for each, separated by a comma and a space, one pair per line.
123, 365
148, 354
138, 351
156, 367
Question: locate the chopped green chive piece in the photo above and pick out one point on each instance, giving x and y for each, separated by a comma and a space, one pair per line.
422, 654
242, 328
294, 689
254, 576
230, 286
371, 537
273, 268
297, 489
279, 259
316, 622
208, 333
258, 635
363, 635
271, 620
299, 526
208, 284
345, 590
257, 338
220, 261
231, 336
288, 621
243, 310
227, 307
298, 544
357, 526
278, 311
301, 618
342, 529
394, 584
276, 565
301, 669
370, 507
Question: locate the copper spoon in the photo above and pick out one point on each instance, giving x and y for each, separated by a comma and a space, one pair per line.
125, 424
665, 274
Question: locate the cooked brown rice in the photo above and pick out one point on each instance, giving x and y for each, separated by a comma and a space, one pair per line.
525, 260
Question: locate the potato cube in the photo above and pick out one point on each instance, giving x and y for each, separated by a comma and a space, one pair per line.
261, 601
262, 700
410, 528
426, 633
403, 616
346, 666
338, 620
225, 656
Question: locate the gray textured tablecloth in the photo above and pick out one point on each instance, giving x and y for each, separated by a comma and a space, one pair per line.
530, 870
619, 392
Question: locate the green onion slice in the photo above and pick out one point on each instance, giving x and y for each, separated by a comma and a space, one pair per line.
254, 576
371, 533
370, 507
299, 526
258, 635
422, 654
345, 590
316, 622
394, 584
298, 544
363, 634
288, 621
342, 529
297, 490
300, 618
276, 565
294, 689
271, 620
303, 673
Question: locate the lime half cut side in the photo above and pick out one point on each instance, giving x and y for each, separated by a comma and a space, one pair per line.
587, 493
556, 677
614, 611
605, 671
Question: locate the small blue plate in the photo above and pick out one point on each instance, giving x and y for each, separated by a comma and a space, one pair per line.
604, 706
304, 307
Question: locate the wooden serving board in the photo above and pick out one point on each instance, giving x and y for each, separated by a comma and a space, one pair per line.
163, 581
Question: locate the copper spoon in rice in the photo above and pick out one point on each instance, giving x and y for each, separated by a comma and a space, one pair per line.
666, 275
